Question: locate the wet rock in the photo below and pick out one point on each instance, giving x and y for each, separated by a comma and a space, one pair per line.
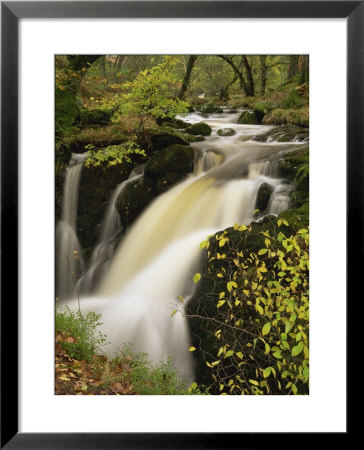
284, 133
134, 198
226, 132
263, 196
177, 159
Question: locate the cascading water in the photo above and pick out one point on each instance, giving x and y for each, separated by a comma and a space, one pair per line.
157, 258
110, 229
68, 263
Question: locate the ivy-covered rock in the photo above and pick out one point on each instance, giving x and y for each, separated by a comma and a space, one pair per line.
284, 133
134, 199
226, 132
176, 159
248, 118
203, 304
200, 128
210, 108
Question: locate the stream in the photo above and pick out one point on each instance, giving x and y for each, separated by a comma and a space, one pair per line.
158, 256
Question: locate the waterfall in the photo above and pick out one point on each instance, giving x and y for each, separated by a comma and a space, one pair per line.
158, 256
110, 230
69, 262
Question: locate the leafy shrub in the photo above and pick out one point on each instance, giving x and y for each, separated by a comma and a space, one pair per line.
113, 154
256, 322
150, 96
77, 333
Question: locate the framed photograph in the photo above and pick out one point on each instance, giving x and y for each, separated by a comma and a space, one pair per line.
181, 203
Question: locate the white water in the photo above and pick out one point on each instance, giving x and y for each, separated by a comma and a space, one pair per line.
69, 265
104, 250
159, 255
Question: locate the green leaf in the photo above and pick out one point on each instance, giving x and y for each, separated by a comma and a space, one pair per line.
267, 372
229, 353
197, 277
262, 251
254, 382
266, 328
296, 350
277, 355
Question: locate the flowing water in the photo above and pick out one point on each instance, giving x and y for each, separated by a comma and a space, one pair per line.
69, 263
157, 258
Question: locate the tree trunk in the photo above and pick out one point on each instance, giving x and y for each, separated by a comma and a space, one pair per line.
263, 74
187, 77
304, 72
250, 81
293, 66
239, 74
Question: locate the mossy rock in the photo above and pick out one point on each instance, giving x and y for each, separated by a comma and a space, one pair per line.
175, 158
67, 110
281, 116
134, 199
294, 100
226, 132
166, 136
263, 196
96, 116
261, 109
201, 129
294, 166
167, 181
284, 133
173, 122
248, 118
96, 187
210, 108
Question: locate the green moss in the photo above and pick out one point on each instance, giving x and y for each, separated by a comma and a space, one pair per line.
248, 117
200, 128
293, 100
282, 116
226, 132
172, 159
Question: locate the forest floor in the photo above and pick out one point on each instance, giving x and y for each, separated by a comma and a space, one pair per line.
100, 376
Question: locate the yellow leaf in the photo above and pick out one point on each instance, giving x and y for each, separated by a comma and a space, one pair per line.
191, 349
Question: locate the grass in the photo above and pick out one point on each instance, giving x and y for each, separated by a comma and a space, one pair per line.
82, 370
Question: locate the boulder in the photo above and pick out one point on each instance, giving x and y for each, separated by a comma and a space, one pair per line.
226, 132
284, 133
166, 136
134, 198
200, 128
210, 108
177, 159
263, 196
248, 117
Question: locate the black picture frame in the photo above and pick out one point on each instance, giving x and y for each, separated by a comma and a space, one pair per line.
11, 12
